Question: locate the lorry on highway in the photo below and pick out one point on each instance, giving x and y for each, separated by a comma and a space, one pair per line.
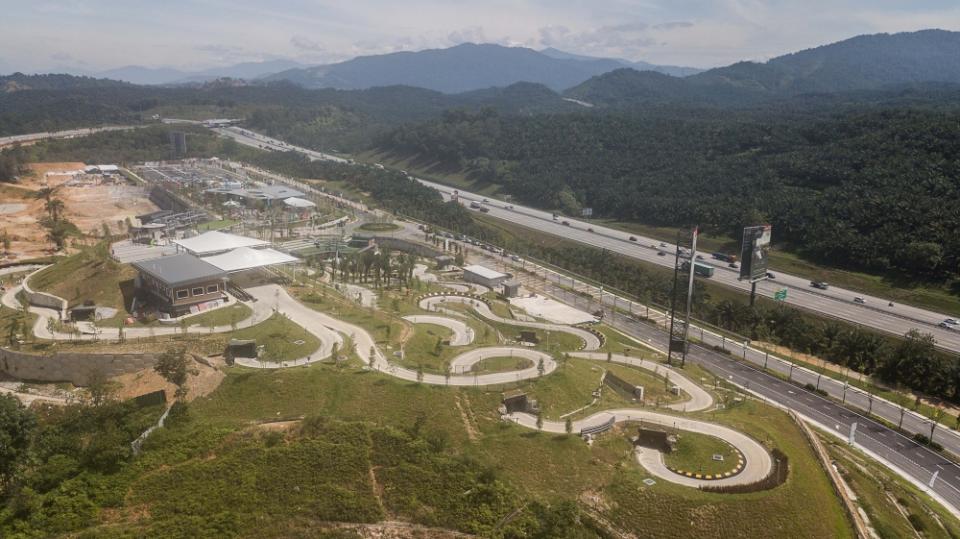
723, 257
699, 268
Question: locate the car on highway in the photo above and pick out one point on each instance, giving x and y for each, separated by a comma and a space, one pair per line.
590, 229
859, 300
509, 206
733, 265
952, 322
663, 244
770, 275
699, 257
661, 253
822, 285
566, 223
633, 238
485, 201
951, 327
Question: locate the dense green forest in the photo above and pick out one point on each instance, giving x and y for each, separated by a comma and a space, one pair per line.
876, 190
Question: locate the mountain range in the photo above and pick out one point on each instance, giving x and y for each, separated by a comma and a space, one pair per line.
863, 63
869, 62
462, 68
167, 75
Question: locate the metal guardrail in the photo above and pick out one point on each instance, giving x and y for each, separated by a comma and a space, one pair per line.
597, 429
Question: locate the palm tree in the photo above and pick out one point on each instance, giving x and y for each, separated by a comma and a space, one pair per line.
54, 207
58, 236
46, 193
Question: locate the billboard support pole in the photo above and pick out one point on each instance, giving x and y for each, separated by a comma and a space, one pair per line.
682, 283
753, 293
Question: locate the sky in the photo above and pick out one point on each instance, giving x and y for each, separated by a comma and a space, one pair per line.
94, 35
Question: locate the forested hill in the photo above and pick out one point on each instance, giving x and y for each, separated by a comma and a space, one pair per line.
18, 81
863, 63
870, 189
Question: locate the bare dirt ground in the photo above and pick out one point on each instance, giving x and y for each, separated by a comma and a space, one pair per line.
88, 204
206, 379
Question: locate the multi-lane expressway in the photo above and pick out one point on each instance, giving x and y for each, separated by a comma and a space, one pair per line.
69, 133
834, 302
874, 312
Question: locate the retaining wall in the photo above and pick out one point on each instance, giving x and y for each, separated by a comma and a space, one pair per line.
42, 299
73, 367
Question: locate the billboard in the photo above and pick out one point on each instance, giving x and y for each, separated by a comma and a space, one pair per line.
754, 253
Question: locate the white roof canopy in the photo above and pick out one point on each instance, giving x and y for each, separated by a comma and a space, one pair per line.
485, 272
215, 242
296, 202
246, 258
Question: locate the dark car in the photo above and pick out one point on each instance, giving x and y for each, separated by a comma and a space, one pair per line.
819, 284
633, 238
661, 253
590, 229
566, 223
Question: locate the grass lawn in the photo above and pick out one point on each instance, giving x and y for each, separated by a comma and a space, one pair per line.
216, 453
804, 506
500, 364
223, 316
894, 507
91, 274
386, 329
280, 339
694, 453
422, 350
216, 225
379, 227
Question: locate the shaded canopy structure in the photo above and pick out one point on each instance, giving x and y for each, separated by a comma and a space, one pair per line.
214, 241
296, 202
245, 258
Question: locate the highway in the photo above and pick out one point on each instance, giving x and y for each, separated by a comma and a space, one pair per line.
834, 302
70, 133
838, 303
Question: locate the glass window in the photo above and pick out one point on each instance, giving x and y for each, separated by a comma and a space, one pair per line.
212, 289
181, 294
198, 291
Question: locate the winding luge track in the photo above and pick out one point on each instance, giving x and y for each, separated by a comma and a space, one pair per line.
329, 330
435, 304
462, 333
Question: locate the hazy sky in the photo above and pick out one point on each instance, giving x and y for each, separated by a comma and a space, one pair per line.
42, 35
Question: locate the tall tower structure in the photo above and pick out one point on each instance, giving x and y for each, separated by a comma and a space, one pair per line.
681, 295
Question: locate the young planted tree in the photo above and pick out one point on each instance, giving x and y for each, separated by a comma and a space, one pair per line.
174, 366
568, 425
